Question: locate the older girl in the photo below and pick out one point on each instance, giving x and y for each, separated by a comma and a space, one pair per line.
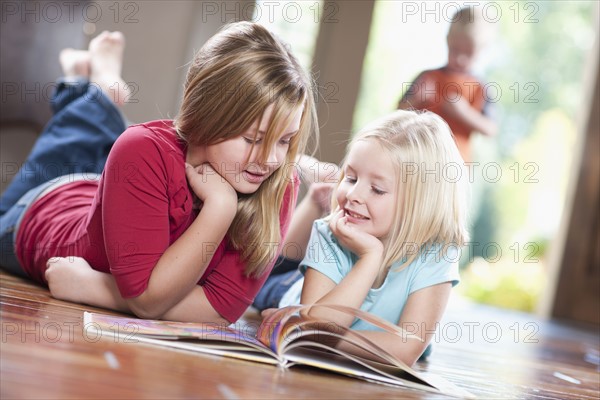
186, 219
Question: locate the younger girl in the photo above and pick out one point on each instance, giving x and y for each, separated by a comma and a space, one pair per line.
185, 221
390, 246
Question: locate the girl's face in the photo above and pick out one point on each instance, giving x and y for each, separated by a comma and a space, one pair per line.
368, 193
236, 159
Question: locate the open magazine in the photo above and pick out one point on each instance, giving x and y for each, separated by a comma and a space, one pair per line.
284, 338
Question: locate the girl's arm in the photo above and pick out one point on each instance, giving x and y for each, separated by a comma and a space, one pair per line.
184, 262
171, 288
73, 279
351, 291
312, 207
353, 288
421, 315
321, 178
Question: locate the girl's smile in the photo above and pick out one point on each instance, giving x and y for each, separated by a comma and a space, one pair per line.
368, 194
354, 216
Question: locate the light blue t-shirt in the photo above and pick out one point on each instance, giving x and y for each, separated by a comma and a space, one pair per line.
326, 255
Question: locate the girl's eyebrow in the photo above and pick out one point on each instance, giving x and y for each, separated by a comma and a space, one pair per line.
287, 134
373, 176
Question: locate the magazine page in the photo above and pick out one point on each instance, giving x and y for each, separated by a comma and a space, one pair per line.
312, 342
331, 334
217, 348
229, 341
278, 328
311, 354
286, 329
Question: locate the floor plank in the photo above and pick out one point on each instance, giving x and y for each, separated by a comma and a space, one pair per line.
46, 353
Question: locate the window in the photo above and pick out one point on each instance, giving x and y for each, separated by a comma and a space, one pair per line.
533, 72
296, 22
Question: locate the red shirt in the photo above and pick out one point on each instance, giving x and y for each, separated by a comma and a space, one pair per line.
123, 223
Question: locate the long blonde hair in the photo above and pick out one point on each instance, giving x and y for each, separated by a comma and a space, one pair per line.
235, 76
431, 183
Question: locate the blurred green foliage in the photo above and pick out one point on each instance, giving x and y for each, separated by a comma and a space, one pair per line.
504, 284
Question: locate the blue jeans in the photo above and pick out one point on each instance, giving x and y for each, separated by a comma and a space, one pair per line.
283, 276
77, 140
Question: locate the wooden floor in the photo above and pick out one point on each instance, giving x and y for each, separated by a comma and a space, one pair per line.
45, 353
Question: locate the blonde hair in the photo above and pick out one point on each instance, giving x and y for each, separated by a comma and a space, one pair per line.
235, 76
430, 180
470, 21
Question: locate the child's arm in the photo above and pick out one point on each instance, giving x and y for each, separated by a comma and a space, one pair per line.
312, 170
184, 262
462, 111
421, 315
354, 287
321, 178
73, 279
424, 93
173, 279
314, 205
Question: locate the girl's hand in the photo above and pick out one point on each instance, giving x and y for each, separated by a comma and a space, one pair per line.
320, 195
207, 183
357, 241
68, 278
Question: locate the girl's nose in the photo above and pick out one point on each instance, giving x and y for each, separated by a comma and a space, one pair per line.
274, 157
355, 194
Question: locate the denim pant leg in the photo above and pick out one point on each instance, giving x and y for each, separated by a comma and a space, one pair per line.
274, 288
67, 90
77, 139
9, 222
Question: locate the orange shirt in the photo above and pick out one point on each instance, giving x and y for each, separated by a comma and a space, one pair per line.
434, 87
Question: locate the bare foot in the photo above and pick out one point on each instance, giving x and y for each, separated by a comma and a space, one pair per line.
106, 53
75, 62
67, 278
